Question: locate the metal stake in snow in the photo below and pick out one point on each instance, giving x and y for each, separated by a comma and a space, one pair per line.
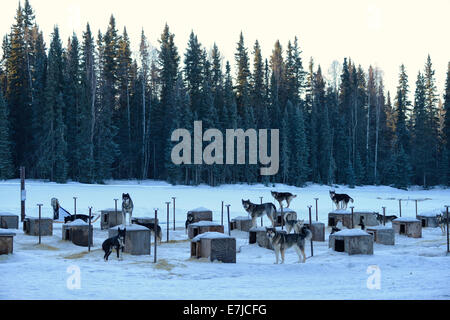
168, 203
400, 206
173, 198
221, 220
260, 199
22, 193
416, 208
353, 224
89, 230
228, 212
156, 228
310, 228
317, 209
448, 243
384, 216
40, 205
115, 206
75, 205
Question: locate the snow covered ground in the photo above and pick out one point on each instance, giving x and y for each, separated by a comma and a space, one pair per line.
412, 269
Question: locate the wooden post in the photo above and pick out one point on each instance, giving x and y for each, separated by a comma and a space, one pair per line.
282, 217
384, 216
173, 198
353, 224
22, 194
115, 200
89, 230
39, 205
310, 227
260, 200
74, 205
168, 203
156, 228
229, 226
448, 243
221, 220
317, 209
400, 206
416, 208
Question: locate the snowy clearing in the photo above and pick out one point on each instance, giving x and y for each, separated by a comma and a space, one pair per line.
412, 269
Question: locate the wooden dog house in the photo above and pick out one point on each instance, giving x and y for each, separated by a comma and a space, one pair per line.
6, 241
429, 219
254, 232
317, 229
369, 218
410, 227
214, 246
9, 221
31, 226
279, 221
342, 215
201, 214
241, 223
196, 228
110, 218
140, 220
78, 232
137, 239
352, 241
382, 234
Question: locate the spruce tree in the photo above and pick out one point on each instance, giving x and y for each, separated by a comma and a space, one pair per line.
6, 165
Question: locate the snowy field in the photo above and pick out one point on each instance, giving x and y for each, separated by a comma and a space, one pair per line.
412, 269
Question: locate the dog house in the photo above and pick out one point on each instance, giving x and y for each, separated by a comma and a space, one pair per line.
9, 221
78, 232
145, 220
241, 223
196, 228
368, 217
263, 240
317, 230
279, 221
342, 215
110, 218
382, 234
31, 226
137, 239
201, 214
352, 241
429, 219
214, 246
410, 227
254, 232
6, 241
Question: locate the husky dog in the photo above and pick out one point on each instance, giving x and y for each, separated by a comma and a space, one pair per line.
292, 224
189, 220
338, 227
442, 221
388, 218
281, 242
117, 242
74, 217
258, 210
151, 226
361, 223
337, 198
127, 207
280, 196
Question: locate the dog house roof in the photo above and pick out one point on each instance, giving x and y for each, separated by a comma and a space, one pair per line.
241, 218
133, 227
77, 223
258, 229
341, 211
6, 232
210, 235
204, 223
8, 214
351, 232
199, 209
432, 213
406, 219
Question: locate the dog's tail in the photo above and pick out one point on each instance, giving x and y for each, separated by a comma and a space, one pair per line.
351, 199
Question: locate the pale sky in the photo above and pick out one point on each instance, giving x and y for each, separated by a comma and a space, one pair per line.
382, 33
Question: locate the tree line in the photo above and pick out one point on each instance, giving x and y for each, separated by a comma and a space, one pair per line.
89, 112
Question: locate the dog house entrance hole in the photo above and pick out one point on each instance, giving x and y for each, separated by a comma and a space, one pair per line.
331, 222
402, 229
339, 245
252, 238
67, 234
105, 218
424, 223
195, 232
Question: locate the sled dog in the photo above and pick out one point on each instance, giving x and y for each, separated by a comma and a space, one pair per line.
292, 224
340, 200
117, 242
189, 220
442, 221
388, 218
280, 196
258, 210
281, 242
127, 207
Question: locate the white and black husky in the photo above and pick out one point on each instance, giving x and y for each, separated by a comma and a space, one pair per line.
340, 200
282, 241
117, 242
127, 207
258, 210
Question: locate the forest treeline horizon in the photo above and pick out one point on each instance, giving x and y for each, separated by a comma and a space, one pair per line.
88, 111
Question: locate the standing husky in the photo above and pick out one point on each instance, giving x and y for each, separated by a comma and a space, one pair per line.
117, 242
340, 198
258, 210
281, 242
442, 221
280, 196
292, 224
127, 207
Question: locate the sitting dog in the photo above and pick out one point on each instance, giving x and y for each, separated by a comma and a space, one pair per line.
189, 220
282, 241
117, 242
127, 207
340, 200
258, 210
388, 218
151, 226
280, 196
